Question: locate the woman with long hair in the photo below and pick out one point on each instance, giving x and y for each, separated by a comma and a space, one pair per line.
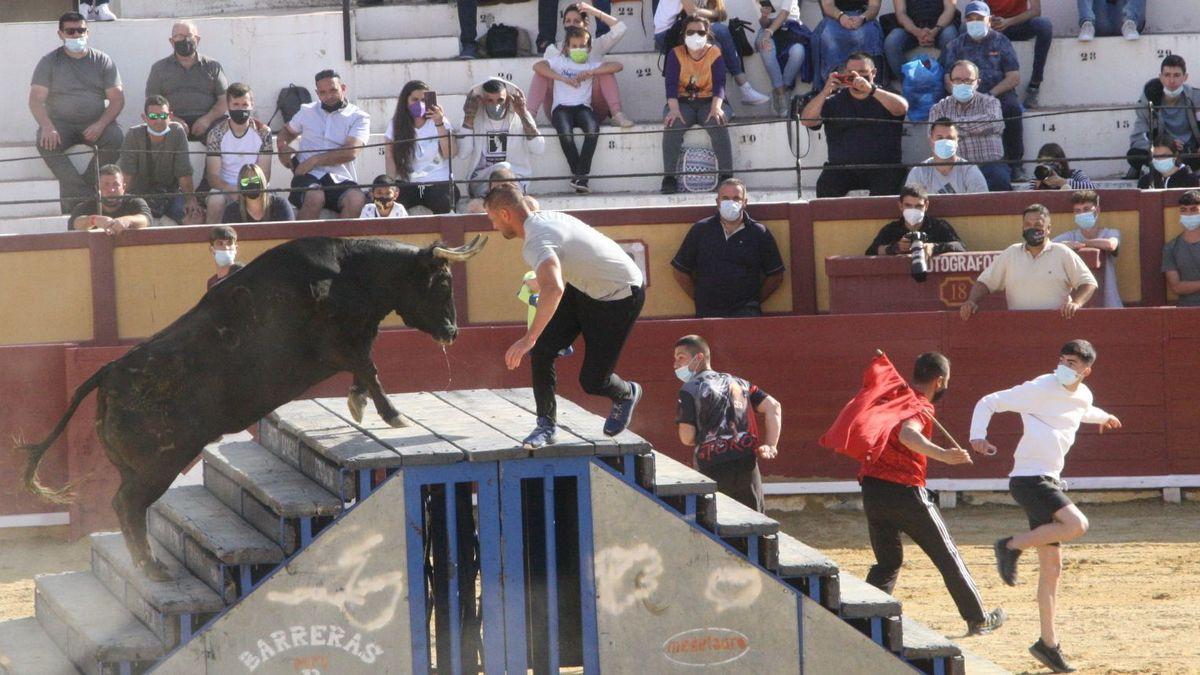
1053, 172
254, 204
419, 149
695, 81
671, 13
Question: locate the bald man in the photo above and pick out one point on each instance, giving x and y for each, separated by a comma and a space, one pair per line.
193, 83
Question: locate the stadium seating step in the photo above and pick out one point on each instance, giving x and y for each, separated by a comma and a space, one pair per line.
801, 565
430, 47
159, 605
169, 9
43, 194
26, 648
666, 477
33, 225
860, 600
923, 645
91, 626
735, 519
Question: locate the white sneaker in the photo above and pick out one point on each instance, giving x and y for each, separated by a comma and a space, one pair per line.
1129, 30
86, 10
752, 97
104, 13
1087, 31
620, 120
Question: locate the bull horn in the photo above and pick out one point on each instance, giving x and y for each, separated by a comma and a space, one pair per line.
461, 253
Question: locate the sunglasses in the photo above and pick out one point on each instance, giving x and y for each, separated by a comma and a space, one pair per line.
251, 182
158, 116
76, 31
696, 32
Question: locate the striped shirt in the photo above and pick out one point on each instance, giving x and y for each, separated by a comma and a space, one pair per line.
980, 125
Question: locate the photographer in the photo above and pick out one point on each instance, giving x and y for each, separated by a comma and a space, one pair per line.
1054, 173
899, 236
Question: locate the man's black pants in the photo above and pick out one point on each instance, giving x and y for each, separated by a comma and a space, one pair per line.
836, 182
892, 508
605, 325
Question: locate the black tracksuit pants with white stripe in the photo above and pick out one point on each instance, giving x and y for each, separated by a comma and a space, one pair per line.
892, 509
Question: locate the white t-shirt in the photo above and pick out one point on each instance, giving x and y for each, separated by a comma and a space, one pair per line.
793, 10
591, 262
322, 131
428, 165
1112, 295
495, 142
369, 210
664, 16
565, 94
236, 151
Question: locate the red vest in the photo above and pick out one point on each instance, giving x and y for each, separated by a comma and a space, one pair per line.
898, 464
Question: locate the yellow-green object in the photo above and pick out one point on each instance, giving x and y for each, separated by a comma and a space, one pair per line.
528, 297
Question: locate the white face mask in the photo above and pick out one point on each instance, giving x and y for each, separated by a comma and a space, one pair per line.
1066, 375
730, 209
913, 216
695, 42
225, 258
1173, 93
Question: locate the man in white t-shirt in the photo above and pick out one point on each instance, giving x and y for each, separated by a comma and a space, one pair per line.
1089, 234
383, 202
332, 133
234, 141
1052, 407
498, 131
588, 285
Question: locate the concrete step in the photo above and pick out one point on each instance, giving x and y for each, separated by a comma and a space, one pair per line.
21, 162
666, 477
26, 649
923, 644
91, 627
212, 541
169, 9
34, 225
31, 197
428, 48
267, 492
171, 609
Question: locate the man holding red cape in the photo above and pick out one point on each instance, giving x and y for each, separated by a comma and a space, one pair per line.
888, 428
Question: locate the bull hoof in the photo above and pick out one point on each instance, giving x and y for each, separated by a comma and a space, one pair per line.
356, 402
397, 421
155, 570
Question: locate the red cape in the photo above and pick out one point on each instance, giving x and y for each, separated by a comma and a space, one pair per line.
862, 427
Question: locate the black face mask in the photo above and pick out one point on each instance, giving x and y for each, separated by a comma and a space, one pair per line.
185, 47
1034, 236
240, 116
385, 204
938, 394
252, 193
333, 108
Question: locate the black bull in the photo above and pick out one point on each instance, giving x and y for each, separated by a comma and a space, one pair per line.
298, 314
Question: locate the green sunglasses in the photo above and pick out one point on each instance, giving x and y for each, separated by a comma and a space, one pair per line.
251, 182
158, 116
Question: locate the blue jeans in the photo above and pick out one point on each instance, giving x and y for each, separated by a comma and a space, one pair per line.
780, 77
835, 43
899, 41
1108, 17
724, 40
998, 176
1041, 32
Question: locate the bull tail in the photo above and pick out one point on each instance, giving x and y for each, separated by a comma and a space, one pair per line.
64, 494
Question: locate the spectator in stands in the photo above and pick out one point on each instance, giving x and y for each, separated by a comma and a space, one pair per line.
508, 135
781, 41
863, 125
222, 243
383, 202
1036, 274
67, 99
695, 82
233, 142
1110, 17
193, 83
332, 133
547, 17
1089, 234
847, 27
1167, 108
946, 173
114, 212
670, 14
254, 204
1166, 170
155, 161
1181, 255
729, 263
922, 23
1053, 172
895, 237
998, 74
573, 70
606, 96
499, 177
98, 10
1022, 20
419, 150
977, 117
716, 416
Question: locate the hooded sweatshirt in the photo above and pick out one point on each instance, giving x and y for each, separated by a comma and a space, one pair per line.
518, 148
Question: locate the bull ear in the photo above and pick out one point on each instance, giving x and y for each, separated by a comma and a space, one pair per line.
461, 253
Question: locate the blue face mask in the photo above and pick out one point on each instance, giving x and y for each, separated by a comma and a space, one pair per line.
1190, 221
1164, 164
76, 44
684, 372
962, 92
1085, 220
1065, 375
977, 29
945, 148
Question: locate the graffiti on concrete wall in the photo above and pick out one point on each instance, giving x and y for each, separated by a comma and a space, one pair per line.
733, 587
706, 646
627, 576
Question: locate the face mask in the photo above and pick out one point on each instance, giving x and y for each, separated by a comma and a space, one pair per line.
384, 205
1173, 93
333, 108
1085, 220
494, 111
977, 29
1190, 221
913, 216
150, 130
1034, 236
684, 372
1066, 375
185, 47
578, 54
695, 42
1164, 164
239, 116
225, 258
76, 44
730, 209
945, 148
252, 193
963, 92
416, 109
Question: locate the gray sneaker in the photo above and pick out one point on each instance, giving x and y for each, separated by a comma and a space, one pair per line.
1031, 98
545, 433
1087, 31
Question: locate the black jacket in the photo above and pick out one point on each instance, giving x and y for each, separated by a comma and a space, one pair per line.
937, 232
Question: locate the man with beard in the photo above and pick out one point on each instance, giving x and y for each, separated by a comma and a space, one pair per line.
113, 212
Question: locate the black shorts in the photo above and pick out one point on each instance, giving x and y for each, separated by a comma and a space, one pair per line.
1040, 496
333, 191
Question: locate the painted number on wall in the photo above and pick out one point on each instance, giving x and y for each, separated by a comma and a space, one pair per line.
505, 76
1048, 127
625, 11
644, 72
1162, 53
747, 138
1087, 56
1122, 124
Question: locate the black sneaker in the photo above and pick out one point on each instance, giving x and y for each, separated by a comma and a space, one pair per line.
1006, 561
670, 186
543, 434
581, 185
1133, 173
1051, 657
622, 411
990, 622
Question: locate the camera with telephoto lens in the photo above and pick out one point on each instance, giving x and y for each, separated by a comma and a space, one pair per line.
1043, 171
920, 264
